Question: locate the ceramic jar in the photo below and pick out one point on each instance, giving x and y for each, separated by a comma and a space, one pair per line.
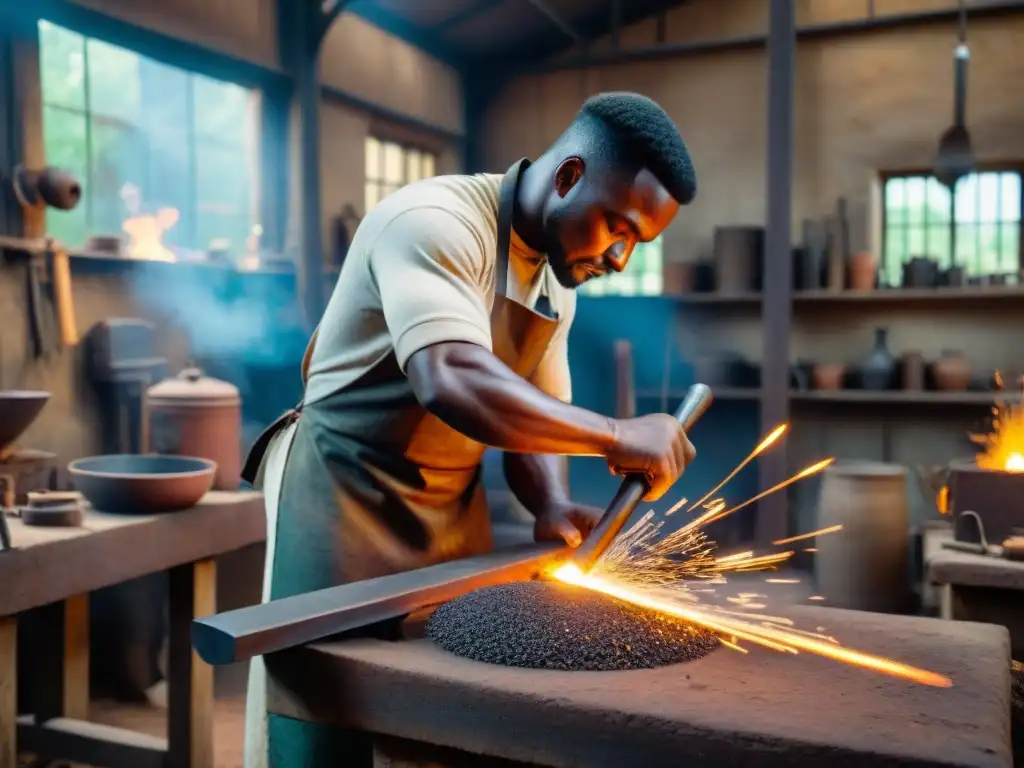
195, 415
952, 371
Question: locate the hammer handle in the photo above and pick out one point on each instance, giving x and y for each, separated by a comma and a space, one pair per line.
635, 487
64, 298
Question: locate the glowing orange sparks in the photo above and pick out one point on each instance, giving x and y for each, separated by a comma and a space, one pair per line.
763, 446
767, 636
712, 516
811, 535
1003, 448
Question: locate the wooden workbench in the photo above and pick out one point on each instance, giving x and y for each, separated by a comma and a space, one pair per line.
55, 569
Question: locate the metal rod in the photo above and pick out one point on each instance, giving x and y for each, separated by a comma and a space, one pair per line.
635, 487
225, 638
844, 28
777, 303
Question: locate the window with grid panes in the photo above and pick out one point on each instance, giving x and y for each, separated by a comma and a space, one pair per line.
641, 277
977, 226
120, 120
390, 165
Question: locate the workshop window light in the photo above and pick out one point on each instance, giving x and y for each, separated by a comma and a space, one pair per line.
390, 165
642, 276
180, 140
978, 227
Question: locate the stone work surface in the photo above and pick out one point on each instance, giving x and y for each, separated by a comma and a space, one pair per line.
727, 709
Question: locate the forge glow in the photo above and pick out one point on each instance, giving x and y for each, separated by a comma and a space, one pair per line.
1002, 449
668, 574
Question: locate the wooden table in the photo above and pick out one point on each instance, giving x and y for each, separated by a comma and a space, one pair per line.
55, 569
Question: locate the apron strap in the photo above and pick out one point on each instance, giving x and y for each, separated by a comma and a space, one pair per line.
259, 449
506, 209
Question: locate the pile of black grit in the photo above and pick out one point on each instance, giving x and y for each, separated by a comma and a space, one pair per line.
549, 625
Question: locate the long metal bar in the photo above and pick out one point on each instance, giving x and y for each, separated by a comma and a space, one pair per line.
565, 27
261, 629
777, 298
878, 23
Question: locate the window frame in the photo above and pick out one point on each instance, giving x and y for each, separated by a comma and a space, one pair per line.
886, 176
193, 136
380, 182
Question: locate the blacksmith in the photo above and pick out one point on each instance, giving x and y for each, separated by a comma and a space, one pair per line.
447, 332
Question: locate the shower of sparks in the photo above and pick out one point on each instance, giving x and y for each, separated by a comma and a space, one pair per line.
673, 573
811, 535
735, 631
763, 446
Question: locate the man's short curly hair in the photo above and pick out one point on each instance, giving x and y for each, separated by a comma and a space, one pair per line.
648, 133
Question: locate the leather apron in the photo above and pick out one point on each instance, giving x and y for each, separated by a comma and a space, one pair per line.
366, 483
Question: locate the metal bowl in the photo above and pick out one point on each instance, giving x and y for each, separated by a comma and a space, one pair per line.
132, 484
18, 409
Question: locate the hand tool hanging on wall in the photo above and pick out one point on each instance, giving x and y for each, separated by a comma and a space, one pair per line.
36, 191
956, 157
63, 297
39, 326
634, 487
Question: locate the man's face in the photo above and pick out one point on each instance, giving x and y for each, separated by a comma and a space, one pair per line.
595, 220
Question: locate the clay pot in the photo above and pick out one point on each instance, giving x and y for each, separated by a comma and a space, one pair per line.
828, 375
863, 271
952, 371
864, 566
193, 415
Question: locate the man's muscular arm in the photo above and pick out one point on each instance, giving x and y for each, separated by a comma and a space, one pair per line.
427, 265
471, 390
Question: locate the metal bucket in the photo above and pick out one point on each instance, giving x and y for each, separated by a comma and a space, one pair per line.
864, 566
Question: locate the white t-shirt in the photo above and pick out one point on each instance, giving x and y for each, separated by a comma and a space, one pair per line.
420, 271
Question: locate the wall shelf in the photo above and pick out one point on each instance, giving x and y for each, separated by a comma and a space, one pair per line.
855, 396
918, 296
729, 299
881, 296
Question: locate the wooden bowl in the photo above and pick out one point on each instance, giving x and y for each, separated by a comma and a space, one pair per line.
131, 484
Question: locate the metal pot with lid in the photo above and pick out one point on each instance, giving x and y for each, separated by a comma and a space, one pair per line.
196, 415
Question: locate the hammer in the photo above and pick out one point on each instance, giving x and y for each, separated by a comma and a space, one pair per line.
635, 487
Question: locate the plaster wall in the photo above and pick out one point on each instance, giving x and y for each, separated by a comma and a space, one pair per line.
864, 103
357, 58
